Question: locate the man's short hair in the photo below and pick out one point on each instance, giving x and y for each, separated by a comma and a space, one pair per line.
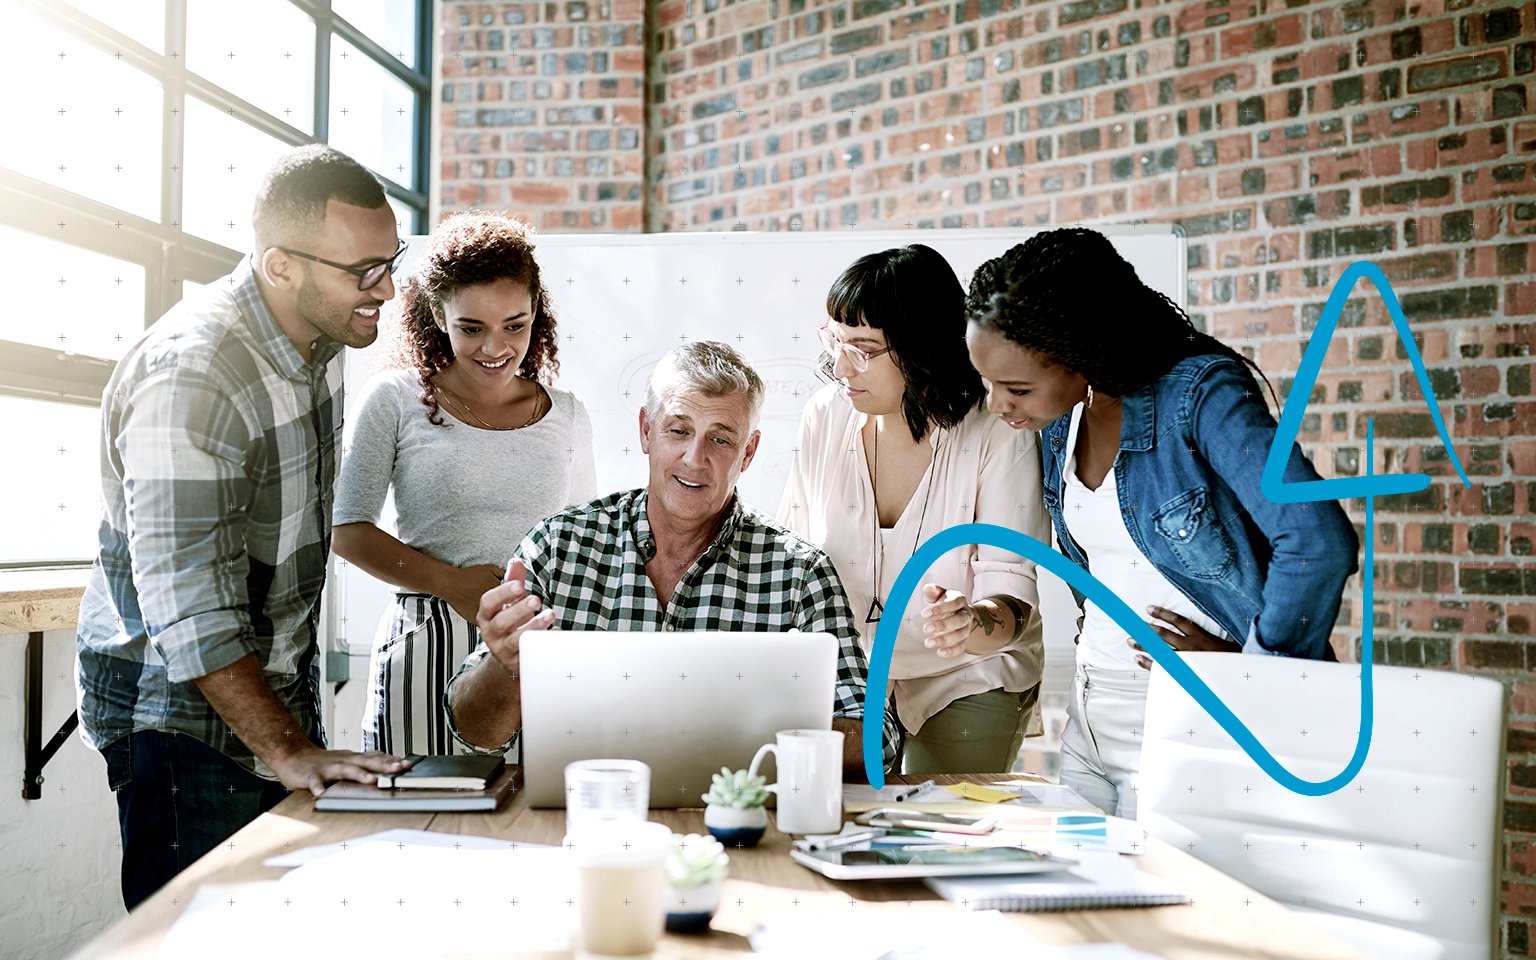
290, 205
708, 367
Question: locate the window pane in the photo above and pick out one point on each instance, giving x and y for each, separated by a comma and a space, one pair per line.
405, 218
389, 23
66, 297
266, 55
50, 510
225, 161
141, 20
77, 118
373, 114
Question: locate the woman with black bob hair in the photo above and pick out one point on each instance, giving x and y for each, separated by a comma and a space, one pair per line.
897, 449
1153, 436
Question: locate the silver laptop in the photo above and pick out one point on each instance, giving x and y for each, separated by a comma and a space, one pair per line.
685, 703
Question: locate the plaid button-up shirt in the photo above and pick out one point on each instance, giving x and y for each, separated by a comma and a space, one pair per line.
217, 461
587, 563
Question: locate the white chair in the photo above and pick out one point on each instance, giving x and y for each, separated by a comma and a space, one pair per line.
1403, 862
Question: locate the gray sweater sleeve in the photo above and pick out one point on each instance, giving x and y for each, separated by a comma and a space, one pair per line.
368, 463
583, 469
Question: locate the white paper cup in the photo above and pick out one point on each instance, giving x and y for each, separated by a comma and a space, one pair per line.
620, 887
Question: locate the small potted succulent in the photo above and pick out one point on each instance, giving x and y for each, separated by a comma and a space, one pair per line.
695, 870
733, 812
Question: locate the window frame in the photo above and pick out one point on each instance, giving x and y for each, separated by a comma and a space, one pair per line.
167, 254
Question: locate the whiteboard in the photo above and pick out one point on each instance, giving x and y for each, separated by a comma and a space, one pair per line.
622, 301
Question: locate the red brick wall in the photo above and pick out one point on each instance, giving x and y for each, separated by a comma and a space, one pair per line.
1287, 138
541, 110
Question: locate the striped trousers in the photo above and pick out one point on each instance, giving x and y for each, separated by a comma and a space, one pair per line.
420, 643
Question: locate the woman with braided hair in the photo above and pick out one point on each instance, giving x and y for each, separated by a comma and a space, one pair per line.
1153, 439
478, 446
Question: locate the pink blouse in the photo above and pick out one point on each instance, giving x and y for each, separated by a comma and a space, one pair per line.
982, 471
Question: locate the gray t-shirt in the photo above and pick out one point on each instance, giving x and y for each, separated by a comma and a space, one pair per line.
463, 495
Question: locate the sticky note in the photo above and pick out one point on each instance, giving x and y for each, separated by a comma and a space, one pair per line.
975, 791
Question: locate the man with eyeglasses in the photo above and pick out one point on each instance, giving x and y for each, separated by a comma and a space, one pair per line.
198, 667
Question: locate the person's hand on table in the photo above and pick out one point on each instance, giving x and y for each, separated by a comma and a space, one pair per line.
1186, 635
312, 768
466, 585
506, 611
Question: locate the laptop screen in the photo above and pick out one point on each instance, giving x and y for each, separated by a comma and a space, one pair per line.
686, 704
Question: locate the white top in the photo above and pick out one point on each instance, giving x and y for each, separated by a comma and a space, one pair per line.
1094, 520
983, 471
463, 495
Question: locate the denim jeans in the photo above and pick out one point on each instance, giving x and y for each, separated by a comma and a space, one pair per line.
177, 799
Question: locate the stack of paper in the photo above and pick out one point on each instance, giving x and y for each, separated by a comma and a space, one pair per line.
389, 899
964, 797
1101, 879
886, 937
982, 934
415, 838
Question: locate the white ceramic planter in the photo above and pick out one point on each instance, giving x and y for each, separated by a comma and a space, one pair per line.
734, 827
689, 909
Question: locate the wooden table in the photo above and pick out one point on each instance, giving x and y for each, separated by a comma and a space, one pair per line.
1226, 920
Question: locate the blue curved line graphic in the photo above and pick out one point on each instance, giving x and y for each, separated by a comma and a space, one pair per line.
1343, 488
1089, 586
1369, 486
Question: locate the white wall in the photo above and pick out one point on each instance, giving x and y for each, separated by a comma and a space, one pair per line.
623, 301
59, 869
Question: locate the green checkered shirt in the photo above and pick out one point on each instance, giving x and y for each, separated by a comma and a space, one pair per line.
587, 563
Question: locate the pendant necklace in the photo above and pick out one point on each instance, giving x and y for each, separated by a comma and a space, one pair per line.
876, 608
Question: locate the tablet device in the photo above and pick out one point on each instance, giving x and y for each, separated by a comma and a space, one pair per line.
915, 862
918, 820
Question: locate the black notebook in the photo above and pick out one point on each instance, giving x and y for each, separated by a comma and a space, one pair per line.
463, 772
366, 797
1084, 887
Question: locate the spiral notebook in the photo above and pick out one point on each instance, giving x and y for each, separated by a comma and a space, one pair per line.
1098, 882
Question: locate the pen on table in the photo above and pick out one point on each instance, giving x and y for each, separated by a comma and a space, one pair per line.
844, 840
905, 838
909, 794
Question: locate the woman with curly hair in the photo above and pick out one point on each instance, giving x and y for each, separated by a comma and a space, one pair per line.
896, 450
477, 445
1154, 436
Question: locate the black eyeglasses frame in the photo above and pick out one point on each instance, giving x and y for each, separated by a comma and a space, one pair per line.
376, 270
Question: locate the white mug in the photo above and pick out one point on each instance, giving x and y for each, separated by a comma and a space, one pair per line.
810, 785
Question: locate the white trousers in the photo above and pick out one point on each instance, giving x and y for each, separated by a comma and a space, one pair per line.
1101, 745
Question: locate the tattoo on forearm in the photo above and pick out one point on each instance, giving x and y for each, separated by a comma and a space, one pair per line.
1018, 609
985, 618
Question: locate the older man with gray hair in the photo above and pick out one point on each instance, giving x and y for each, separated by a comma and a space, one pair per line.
670, 555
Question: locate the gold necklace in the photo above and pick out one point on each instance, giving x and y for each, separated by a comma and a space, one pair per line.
538, 406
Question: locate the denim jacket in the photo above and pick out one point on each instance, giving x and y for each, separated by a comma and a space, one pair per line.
1192, 448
